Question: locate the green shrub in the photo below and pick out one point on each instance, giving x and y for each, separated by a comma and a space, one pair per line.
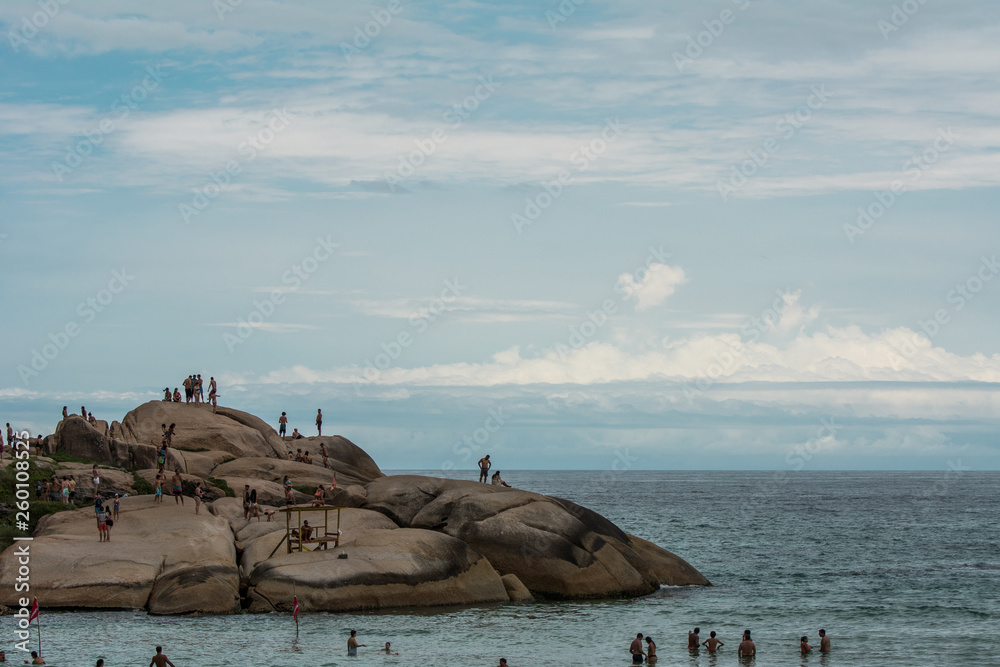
61, 456
221, 483
142, 487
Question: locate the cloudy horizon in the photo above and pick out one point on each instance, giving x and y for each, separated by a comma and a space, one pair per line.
735, 234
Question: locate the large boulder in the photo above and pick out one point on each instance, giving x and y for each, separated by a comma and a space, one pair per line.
379, 569
554, 547
345, 457
163, 558
199, 429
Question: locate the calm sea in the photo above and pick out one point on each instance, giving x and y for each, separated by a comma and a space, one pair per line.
900, 568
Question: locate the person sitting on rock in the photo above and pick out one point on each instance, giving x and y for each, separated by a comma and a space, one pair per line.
319, 498
177, 395
307, 459
167, 396
296, 435
497, 481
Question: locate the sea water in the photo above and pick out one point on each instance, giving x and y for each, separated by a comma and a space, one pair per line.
900, 568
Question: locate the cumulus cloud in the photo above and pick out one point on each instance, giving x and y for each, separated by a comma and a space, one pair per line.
659, 283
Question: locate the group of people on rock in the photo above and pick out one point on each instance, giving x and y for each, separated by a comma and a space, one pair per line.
484, 471
283, 426
194, 391
746, 648
304, 457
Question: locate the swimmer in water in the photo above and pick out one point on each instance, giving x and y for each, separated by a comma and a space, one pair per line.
712, 644
804, 645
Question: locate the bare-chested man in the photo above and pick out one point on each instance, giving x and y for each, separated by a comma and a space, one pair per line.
824, 642
160, 660
188, 385
178, 487
712, 644
747, 649
319, 422
694, 640
635, 648
484, 471
326, 454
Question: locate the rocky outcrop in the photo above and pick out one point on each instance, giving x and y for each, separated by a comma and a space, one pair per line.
405, 540
197, 428
161, 557
555, 548
378, 569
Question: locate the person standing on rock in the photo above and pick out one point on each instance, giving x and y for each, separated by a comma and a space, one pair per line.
83, 411
160, 660
635, 648
178, 483
199, 390
198, 493
282, 424
319, 423
326, 454
246, 502
484, 468
97, 481
116, 507
72, 488
65, 412
102, 525
352, 643
158, 488
188, 385
213, 395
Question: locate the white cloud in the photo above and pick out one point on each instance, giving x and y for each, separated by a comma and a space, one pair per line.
659, 283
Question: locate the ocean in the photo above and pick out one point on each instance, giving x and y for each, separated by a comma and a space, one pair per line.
900, 568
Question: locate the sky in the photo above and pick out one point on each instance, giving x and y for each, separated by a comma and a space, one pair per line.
732, 234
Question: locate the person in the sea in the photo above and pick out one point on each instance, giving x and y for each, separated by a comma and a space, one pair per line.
694, 640
352, 643
496, 480
503, 662
388, 650
484, 468
160, 660
178, 483
746, 649
35, 659
635, 648
824, 642
712, 644
650, 650
804, 644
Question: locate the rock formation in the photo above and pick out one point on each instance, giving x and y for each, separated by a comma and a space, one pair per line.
405, 540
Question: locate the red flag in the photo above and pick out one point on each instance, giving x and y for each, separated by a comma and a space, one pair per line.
34, 611
295, 608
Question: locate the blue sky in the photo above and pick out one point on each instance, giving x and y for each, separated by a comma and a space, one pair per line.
717, 235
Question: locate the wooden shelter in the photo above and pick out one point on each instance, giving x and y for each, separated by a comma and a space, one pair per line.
316, 535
